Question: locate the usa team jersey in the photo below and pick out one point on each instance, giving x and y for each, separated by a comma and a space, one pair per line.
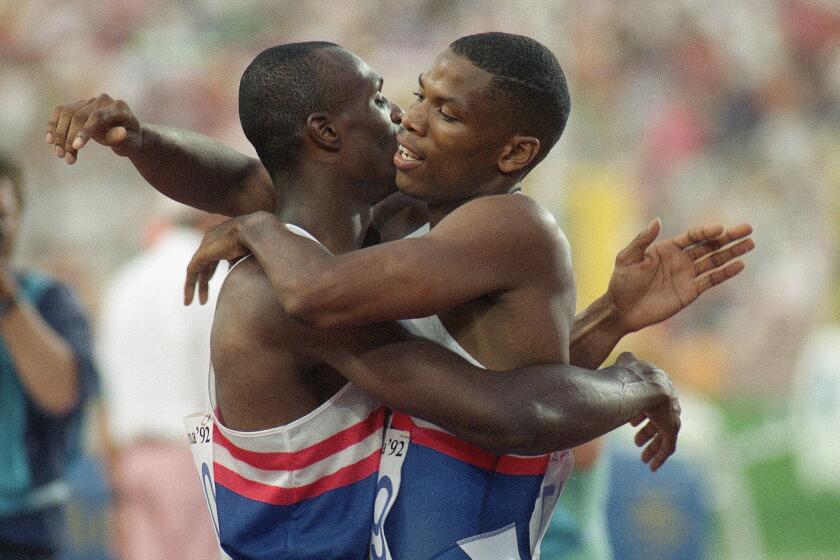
303, 490
452, 500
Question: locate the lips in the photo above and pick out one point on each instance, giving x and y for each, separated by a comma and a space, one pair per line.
406, 159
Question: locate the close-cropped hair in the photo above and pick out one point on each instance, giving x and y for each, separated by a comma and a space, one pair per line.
527, 79
9, 169
278, 91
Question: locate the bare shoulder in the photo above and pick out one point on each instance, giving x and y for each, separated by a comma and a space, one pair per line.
515, 220
248, 314
247, 307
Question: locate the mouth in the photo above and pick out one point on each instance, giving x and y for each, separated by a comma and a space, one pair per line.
406, 159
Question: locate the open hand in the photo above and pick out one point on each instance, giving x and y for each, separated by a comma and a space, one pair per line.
108, 121
653, 281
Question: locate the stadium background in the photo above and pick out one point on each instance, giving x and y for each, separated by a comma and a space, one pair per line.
693, 111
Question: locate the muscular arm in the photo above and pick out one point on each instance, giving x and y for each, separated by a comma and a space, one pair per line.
201, 172
477, 250
595, 334
529, 410
185, 166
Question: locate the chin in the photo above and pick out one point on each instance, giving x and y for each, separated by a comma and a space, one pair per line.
408, 191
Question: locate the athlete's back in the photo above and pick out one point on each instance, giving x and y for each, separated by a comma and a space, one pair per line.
296, 449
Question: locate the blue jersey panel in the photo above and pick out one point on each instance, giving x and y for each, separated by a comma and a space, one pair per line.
335, 524
443, 500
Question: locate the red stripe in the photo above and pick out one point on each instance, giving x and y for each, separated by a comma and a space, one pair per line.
469, 453
287, 496
294, 460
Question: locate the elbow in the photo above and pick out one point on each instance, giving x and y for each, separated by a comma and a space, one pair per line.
517, 431
540, 429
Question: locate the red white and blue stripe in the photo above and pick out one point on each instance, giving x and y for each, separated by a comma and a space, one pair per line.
303, 490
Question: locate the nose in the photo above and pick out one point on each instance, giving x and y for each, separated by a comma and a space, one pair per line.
396, 113
413, 119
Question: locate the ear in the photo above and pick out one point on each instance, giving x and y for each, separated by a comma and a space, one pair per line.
322, 131
518, 154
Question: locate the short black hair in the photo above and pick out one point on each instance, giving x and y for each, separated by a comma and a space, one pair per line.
277, 93
11, 170
527, 77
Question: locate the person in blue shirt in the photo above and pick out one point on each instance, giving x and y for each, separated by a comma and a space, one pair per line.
46, 376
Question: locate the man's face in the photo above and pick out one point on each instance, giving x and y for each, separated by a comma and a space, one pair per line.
9, 217
452, 141
369, 124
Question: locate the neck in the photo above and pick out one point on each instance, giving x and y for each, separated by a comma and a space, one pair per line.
318, 200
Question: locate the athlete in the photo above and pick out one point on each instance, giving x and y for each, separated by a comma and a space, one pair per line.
104, 130
487, 112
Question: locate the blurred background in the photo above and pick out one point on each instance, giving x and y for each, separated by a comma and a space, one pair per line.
693, 111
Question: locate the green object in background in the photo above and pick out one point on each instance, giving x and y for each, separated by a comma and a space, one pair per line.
795, 523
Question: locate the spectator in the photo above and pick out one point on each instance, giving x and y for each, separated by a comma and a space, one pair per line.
46, 377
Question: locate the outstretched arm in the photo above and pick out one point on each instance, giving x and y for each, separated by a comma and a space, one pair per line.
185, 166
653, 281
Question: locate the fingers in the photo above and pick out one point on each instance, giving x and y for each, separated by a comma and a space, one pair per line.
636, 249
698, 235
204, 277
103, 125
722, 257
645, 434
732, 234
193, 270
658, 444
652, 449
665, 448
102, 118
635, 421
60, 121
114, 136
718, 276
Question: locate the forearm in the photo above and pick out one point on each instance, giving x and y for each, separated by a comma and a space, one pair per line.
595, 334
201, 172
44, 362
312, 285
527, 411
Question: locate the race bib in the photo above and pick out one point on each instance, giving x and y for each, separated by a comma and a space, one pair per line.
199, 428
394, 450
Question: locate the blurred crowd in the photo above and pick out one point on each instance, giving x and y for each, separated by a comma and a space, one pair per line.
693, 111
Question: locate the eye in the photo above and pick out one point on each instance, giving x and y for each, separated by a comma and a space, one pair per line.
447, 118
419, 96
381, 101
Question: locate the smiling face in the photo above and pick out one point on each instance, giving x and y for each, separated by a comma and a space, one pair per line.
452, 142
